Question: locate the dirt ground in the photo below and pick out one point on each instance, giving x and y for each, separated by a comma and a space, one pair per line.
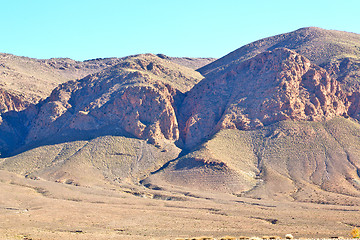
39, 209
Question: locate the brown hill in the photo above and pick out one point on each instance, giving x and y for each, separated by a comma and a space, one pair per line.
293, 143
269, 125
34, 79
326, 48
138, 98
303, 161
273, 86
137, 95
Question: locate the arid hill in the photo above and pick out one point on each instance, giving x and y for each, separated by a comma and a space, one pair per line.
270, 120
270, 87
25, 81
274, 126
137, 99
34, 79
266, 141
329, 49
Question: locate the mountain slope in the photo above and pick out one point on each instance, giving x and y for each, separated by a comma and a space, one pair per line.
90, 129
271, 125
138, 97
273, 86
302, 161
34, 79
326, 48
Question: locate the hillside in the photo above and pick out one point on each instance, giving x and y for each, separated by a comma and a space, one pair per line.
254, 123
25, 81
327, 48
270, 87
301, 161
34, 79
112, 109
266, 143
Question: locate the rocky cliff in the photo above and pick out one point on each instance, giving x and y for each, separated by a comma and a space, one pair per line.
271, 87
139, 96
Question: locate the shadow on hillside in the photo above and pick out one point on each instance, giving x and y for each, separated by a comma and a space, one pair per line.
68, 136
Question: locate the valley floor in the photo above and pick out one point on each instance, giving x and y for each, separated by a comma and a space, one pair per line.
39, 209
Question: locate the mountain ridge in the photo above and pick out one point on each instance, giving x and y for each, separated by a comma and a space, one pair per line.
270, 106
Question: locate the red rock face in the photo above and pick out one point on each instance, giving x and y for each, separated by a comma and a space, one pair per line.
134, 101
273, 86
10, 101
138, 96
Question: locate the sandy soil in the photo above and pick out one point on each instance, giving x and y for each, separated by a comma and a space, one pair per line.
40, 209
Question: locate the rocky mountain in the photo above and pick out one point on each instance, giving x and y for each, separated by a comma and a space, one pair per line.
275, 119
137, 98
138, 95
270, 87
34, 79
25, 81
326, 48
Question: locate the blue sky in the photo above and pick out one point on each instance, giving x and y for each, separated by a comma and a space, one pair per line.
86, 29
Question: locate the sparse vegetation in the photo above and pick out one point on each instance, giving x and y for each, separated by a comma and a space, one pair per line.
355, 233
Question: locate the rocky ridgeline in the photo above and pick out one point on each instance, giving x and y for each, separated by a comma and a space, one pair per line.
139, 96
273, 86
146, 96
144, 108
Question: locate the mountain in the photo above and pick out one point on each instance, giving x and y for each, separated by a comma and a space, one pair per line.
264, 141
273, 126
329, 49
117, 107
270, 87
276, 119
27, 80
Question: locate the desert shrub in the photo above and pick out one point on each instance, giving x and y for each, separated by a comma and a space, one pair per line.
355, 233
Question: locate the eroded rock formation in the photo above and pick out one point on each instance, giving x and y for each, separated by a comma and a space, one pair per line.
273, 86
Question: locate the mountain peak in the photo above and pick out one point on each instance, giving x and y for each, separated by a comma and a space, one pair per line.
270, 87
320, 46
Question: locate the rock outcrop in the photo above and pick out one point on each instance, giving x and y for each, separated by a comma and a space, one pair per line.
29, 80
139, 96
322, 47
347, 72
273, 86
12, 101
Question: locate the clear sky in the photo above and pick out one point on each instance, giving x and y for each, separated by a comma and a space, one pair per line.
86, 29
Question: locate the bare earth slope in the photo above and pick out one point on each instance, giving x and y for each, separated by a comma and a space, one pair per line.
302, 161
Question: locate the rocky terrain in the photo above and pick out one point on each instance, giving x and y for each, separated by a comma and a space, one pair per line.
275, 121
193, 63
270, 87
25, 81
326, 48
34, 79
